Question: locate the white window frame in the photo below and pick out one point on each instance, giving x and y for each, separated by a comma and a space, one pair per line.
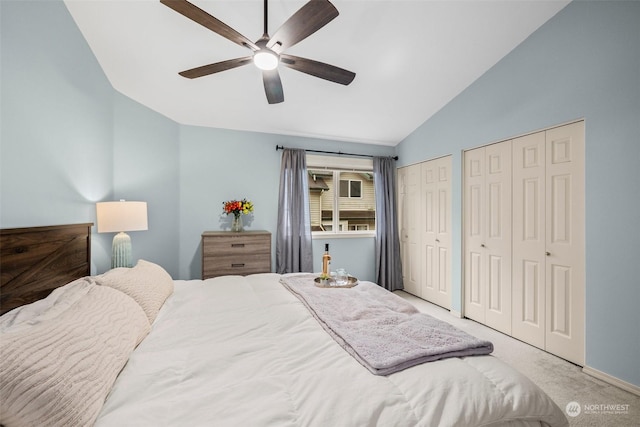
339, 164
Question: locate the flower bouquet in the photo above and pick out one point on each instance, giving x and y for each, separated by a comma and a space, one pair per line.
237, 208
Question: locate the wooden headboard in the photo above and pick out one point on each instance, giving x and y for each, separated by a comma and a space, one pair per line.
36, 260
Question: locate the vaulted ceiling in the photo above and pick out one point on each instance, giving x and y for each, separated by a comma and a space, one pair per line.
410, 58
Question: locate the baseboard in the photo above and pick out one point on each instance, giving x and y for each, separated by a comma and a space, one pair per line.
455, 313
631, 388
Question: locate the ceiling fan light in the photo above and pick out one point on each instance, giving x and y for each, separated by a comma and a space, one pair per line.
266, 60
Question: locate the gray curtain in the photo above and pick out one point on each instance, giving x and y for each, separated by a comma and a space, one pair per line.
293, 238
388, 264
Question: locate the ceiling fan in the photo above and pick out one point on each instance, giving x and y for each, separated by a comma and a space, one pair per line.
268, 51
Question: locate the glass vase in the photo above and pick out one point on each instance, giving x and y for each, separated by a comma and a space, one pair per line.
236, 223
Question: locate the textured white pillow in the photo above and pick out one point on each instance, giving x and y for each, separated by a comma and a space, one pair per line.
59, 372
47, 308
147, 283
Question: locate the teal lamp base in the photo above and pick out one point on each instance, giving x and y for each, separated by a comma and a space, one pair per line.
121, 251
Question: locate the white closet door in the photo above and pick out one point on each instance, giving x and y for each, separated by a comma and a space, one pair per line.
524, 239
474, 220
488, 235
443, 236
498, 236
403, 221
411, 235
528, 285
429, 229
565, 293
436, 231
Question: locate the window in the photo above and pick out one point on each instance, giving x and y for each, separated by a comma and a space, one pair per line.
350, 188
359, 227
341, 196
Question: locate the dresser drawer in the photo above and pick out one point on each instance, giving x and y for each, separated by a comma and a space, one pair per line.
232, 245
227, 253
230, 265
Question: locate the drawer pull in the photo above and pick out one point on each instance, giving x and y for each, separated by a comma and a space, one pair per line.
238, 265
237, 245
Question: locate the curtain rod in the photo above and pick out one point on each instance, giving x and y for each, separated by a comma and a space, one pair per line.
280, 147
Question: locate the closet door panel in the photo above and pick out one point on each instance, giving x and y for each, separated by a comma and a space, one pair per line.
565, 279
495, 283
413, 232
560, 307
407, 190
436, 239
444, 263
429, 204
401, 177
531, 302
474, 225
497, 239
443, 232
444, 216
430, 271
528, 284
442, 238
560, 229
476, 287
475, 211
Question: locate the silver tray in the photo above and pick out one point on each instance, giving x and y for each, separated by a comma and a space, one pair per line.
330, 283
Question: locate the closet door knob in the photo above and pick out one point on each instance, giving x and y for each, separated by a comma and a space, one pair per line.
548, 253
438, 240
482, 246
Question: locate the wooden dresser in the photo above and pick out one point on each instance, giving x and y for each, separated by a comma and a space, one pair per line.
225, 252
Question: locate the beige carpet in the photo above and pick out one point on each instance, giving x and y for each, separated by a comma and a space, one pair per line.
564, 382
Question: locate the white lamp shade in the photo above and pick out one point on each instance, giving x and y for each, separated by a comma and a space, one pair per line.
121, 216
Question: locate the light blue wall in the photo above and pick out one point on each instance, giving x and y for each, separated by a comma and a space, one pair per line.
69, 140
584, 63
357, 256
146, 153
56, 120
218, 165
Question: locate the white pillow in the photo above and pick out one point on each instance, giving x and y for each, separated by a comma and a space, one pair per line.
47, 308
59, 372
147, 283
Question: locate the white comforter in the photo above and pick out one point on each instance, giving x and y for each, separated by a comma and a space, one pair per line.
243, 351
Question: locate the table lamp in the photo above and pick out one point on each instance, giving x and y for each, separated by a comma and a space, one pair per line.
118, 217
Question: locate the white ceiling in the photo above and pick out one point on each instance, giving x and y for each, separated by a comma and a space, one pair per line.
410, 58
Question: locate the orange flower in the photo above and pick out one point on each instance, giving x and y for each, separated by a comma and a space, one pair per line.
237, 207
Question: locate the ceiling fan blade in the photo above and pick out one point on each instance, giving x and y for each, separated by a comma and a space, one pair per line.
318, 69
306, 21
273, 86
205, 70
198, 15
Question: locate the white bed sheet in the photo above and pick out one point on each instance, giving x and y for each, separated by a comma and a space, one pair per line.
243, 351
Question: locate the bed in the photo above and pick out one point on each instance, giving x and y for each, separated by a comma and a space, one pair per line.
133, 347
